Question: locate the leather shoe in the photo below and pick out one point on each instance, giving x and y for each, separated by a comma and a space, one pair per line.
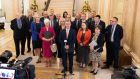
63, 71
71, 73
95, 72
28, 50
38, 61
92, 71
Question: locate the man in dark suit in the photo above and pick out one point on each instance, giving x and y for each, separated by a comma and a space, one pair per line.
67, 40
58, 17
54, 24
45, 16
19, 27
114, 34
76, 24
52, 13
29, 20
90, 22
98, 21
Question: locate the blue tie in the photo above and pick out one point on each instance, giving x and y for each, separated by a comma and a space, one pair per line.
19, 23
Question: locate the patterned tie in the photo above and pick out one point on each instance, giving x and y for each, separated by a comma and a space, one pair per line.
112, 33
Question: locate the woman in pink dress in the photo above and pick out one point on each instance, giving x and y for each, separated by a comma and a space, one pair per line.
47, 34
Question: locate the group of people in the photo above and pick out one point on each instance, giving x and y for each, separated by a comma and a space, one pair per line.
85, 37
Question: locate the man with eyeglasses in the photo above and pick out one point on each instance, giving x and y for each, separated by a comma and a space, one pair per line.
114, 34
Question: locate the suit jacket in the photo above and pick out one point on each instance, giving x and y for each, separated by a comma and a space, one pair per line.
70, 40
86, 37
35, 34
19, 33
42, 20
100, 43
76, 28
90, 24
118, 34
102, 24
57, 29
29, 22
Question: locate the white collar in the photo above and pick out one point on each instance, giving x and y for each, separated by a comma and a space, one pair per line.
67, 29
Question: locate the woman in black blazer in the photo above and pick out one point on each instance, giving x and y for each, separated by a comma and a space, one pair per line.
96, 47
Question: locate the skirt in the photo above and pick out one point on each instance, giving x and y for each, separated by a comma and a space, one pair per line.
95, 56
37, 44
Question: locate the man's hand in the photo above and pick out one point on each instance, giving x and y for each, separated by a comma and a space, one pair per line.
67, 47
91, 47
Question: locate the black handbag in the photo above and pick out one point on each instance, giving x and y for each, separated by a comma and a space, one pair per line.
47, 35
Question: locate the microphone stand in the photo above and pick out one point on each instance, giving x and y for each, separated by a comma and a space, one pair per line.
66, 50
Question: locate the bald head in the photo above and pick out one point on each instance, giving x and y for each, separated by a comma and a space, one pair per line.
18, 15
30, 13
78, 16
52, 11
58, 16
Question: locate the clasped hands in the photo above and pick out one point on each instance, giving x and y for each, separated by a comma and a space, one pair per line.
92, 48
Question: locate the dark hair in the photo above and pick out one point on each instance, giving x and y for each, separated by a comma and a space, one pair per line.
86, 26
98, 26
115, 18
64, 14
98, 16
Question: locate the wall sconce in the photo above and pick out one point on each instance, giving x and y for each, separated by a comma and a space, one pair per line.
34, 6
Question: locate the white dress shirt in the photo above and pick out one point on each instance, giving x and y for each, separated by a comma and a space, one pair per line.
67, 32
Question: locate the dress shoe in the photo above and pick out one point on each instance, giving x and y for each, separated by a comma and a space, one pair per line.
92, 71
104, 62
64, 75
105, 67
38, 61
71, 73
29, 50
63, 71
95, 72
22, 54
